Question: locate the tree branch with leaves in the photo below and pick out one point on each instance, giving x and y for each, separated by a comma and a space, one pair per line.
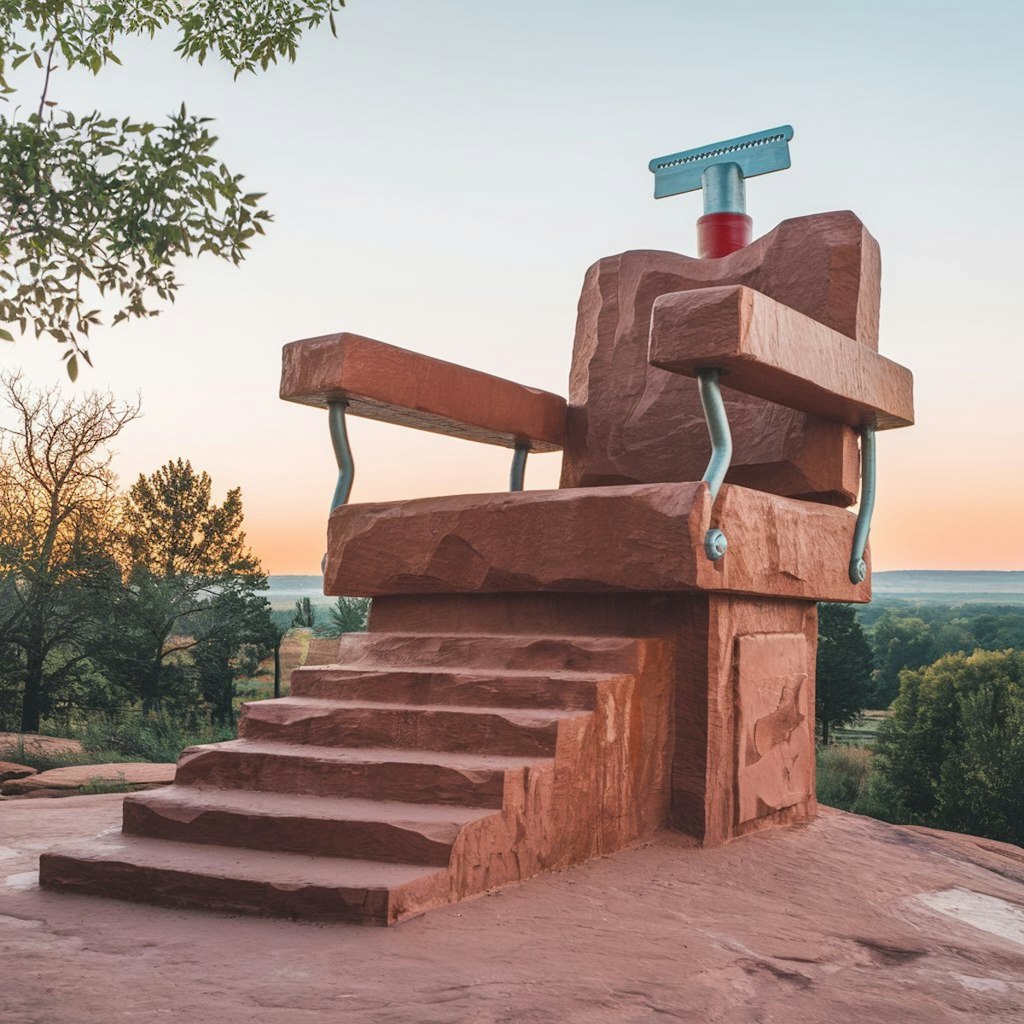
95, 211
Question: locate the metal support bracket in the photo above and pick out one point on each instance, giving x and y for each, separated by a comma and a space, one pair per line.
715, 543
517, 476
342, 453
858, 568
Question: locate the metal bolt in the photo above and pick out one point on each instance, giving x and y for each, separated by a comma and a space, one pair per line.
715, 544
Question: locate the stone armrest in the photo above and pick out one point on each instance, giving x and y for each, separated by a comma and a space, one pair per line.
766, 349
384, 382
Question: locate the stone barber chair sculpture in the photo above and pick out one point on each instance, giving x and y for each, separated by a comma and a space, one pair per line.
552, 675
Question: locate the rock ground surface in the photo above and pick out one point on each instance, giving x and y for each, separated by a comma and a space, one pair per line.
137, 774
842, 920
11, 770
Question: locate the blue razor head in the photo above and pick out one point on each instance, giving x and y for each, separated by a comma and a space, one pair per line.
754, 154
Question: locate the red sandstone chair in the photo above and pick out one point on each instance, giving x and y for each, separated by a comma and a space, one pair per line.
550, 675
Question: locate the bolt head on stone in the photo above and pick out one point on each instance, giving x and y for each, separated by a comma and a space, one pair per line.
715, 544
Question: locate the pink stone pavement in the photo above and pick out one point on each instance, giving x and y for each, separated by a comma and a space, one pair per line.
841, 920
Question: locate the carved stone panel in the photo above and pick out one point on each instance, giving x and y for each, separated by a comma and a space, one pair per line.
774, 723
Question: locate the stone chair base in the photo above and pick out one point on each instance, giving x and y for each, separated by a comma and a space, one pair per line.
418, 771
429, 767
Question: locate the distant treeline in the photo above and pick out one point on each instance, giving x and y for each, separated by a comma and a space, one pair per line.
912, 635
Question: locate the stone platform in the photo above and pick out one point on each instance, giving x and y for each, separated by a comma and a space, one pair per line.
842, 920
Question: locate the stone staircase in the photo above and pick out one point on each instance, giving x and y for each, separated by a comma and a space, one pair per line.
418, 771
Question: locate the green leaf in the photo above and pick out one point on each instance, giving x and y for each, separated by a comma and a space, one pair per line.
104, 206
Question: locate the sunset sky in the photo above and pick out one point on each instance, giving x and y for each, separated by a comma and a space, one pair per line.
444, 172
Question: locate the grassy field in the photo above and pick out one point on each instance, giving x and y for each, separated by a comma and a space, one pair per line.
299, 647
862, 731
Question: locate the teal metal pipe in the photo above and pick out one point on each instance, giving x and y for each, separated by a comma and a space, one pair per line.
517, 476
868, 468
715, 543
723, 188
718, 428
342, 453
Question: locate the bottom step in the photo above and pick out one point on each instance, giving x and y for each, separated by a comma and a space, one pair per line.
233, 880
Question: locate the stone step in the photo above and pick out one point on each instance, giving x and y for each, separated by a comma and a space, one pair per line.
381, 773
428, 727
236, 880
476, 688
470, 651
376, 830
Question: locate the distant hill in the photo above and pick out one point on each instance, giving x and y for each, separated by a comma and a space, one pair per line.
934, 585
941, 586
286, 590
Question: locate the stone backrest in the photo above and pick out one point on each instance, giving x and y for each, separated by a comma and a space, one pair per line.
630, 422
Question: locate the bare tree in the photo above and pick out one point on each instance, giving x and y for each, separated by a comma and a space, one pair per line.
57, 508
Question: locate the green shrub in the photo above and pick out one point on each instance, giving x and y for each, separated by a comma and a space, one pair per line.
44, 760
108, 739
348, 615
143, 738
98, 784
843, 776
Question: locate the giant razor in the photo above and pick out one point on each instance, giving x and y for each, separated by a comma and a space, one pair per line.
720, 171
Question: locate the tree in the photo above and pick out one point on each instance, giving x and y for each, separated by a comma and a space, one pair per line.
11, 662
190, 580
350, 614
96, 209
997, 631
843, 668
274, 634
305, 613
952, 754
243, 636
918, 639
900, 641
57, 501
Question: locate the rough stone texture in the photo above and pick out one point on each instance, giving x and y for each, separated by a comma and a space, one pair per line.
709, 691
378, 791
835, 921
630, 422
383, 382
9, 770
767, 349
700, 631
782, 548
640, 538
587, 539
774, 724
73, 778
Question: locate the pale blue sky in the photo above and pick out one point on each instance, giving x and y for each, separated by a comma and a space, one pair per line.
443, 174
